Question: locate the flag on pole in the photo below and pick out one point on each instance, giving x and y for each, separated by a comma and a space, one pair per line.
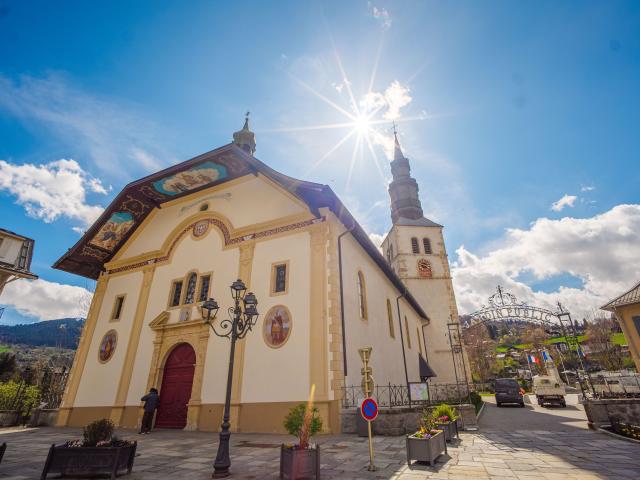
534, 359
546, 356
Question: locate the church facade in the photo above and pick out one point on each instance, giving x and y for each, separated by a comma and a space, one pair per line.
171, 240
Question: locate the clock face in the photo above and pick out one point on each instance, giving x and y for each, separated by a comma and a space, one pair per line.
424, 268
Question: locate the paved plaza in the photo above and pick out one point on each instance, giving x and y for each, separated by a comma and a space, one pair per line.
514, 443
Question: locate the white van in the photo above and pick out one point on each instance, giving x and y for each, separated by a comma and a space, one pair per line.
548, 390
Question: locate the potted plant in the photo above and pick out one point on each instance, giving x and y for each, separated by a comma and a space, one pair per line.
427, 444
99, 453
445, 418
301, 460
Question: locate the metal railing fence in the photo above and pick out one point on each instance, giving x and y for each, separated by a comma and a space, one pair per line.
391, 396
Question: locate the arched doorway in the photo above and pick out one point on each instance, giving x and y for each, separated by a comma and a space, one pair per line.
175, 390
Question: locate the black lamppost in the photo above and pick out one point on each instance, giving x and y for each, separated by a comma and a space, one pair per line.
242, 317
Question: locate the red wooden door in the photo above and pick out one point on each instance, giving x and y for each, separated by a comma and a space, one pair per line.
175, 390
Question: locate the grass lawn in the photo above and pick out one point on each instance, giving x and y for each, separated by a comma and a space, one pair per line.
5, 348
616, 339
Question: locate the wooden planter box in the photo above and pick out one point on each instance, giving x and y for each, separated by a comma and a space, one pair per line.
298, 464
426, 449
89, 461
450, 430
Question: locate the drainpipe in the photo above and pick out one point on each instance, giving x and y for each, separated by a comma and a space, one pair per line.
344, 336
404, 356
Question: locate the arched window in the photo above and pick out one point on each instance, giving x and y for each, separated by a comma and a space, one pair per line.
427, 245
419, 342
406, 329
362, 296
392, 332
414, 245
190, 293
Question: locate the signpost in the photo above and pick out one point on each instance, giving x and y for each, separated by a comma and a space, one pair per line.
369, 407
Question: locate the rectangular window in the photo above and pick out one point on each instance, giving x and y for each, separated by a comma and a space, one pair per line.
636, 322
176, 292
427, 246
117, 307
279, 280
205, 280
414, 245
406, 328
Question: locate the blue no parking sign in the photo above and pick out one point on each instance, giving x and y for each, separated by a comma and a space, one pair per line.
369, 409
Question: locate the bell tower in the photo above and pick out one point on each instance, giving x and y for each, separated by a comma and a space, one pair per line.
415, 249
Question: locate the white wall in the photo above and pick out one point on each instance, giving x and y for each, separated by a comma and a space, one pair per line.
280, 374
99, 381
386, 358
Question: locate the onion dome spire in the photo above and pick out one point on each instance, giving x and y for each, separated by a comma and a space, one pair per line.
245, 138
403, 189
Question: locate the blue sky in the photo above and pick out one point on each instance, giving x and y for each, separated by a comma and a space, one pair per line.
504, 108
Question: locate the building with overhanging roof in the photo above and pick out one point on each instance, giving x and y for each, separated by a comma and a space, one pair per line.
172, 239
16, 252
626, 308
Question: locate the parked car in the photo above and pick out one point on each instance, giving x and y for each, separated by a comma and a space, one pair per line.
548, 390
508, 391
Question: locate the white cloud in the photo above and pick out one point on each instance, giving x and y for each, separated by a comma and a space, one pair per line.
108, 131
601, 251
587, 188
565, 201
377, 239
52, 190
46, 300
381, 15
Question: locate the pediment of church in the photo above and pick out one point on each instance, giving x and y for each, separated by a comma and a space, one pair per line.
102, 241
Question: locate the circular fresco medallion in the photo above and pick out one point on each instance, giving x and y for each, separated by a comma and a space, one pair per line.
424, 268
200, 228
277, 326
108, 346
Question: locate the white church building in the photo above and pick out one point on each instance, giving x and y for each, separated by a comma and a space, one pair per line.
179, 236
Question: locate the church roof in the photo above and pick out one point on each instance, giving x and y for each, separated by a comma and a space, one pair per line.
420, 222
131, 206
627, 298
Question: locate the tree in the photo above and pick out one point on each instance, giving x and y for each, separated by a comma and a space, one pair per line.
603, 350
481, 351
7, 365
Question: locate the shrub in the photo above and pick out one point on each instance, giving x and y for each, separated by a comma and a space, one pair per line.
443, 410
96, 432
303, 423
476, 399
29, 397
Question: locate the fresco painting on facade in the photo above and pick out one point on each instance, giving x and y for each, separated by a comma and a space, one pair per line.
113, 231
108, 346
191, 179
277, 326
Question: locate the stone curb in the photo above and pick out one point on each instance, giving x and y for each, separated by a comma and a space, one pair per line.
619, 437
479, 414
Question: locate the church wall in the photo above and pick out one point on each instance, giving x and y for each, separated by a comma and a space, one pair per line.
246, 201
102, 393
386, 357
280, 374
203, 255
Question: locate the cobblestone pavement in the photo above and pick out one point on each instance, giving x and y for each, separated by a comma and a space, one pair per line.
501, 450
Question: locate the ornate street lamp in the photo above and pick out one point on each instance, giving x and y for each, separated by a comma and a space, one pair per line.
242, 318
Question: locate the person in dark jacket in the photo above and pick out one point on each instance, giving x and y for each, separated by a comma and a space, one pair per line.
151, 403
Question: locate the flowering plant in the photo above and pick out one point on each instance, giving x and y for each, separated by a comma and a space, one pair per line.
425, 432
444, 413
